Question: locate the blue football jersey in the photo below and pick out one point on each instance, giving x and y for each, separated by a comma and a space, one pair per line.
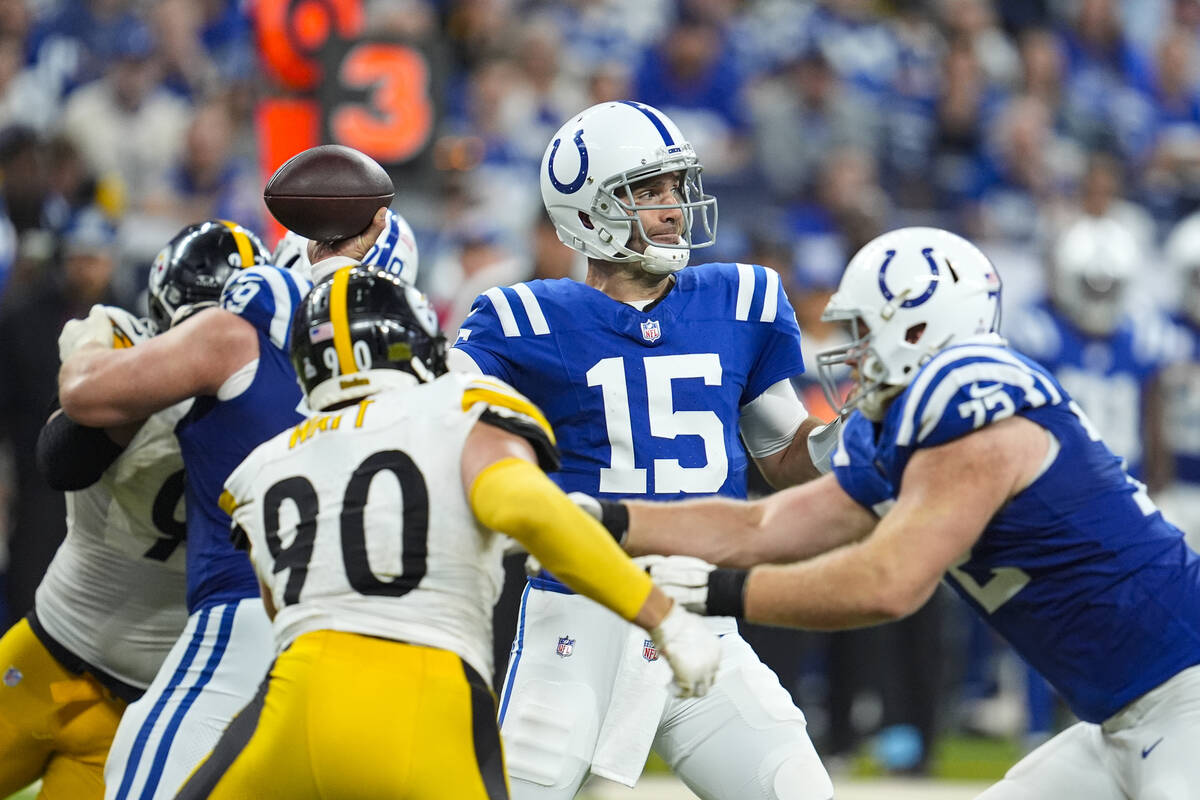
1181, 402
643, 403
1108, 377
1079, 571
216, 435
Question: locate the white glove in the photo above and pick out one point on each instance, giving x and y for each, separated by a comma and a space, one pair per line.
822, 442
107, 326
691, 649
682, 578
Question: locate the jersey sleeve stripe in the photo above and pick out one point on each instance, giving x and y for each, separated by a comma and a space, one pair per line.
508, 322
285, 294
339, 316
771, 300
936, 368
245, 249
495, 397
745, 294
967, 374
533, 309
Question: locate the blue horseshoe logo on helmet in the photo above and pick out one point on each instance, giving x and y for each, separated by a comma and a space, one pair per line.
915, 301
577, 182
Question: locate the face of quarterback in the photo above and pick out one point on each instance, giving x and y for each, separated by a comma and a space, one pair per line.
662, 225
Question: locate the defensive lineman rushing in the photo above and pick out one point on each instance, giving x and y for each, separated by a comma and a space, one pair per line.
648, 372
112, 601
1003, 487
385, 569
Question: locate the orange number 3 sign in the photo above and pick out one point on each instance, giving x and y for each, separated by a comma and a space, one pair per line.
397, 120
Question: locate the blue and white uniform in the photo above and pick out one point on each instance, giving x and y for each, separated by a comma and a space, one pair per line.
1180, 394
1080, 572
645, 404
1108, 376
226, 648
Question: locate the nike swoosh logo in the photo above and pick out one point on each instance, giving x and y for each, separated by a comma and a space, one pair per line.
1146, 750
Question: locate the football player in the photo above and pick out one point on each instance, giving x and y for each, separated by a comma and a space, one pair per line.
652, 376
111, 603
226, 314
371, 527
1003, 487
1085, 335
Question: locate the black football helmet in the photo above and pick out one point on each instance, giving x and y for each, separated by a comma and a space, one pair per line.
363, 330
189, 273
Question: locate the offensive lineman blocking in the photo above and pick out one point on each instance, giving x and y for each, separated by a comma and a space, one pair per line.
1002, 486
371, 529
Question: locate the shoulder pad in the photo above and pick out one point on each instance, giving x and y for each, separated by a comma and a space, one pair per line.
854, 464
515, 309
964, 388
266, 297
508, 409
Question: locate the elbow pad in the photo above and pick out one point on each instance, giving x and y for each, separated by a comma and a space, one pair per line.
71, 456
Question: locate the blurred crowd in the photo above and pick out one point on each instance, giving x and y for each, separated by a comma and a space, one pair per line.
1063, 136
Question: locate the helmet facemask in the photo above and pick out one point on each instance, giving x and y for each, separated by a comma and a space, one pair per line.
615, 205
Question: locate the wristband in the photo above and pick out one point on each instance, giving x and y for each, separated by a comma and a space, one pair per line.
727, 593
614, 516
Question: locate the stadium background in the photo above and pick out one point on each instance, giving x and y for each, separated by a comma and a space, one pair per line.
819, 123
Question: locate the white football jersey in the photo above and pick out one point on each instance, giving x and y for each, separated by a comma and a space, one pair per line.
114, 593
357, 519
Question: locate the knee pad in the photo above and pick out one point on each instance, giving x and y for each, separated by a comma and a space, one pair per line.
795, 772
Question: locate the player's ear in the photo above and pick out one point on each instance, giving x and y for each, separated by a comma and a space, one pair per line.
586, 220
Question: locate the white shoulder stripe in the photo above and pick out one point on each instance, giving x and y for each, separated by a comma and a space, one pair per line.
745, 294
771, 299
533, 309
282, 319
504, 311
920, 386
968, 374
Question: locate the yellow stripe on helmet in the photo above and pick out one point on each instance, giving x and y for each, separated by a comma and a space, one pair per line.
244, 246
339, 316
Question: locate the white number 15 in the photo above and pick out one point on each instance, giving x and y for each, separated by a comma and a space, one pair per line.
621, 476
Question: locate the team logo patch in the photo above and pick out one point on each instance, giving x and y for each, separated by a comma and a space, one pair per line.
649, 651
651, 330
566, 646
12, 676
320, 333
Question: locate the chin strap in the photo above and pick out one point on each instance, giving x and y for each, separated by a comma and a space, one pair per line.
659, 260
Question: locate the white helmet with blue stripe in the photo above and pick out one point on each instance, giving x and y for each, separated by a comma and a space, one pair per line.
907, 295
395, 251
586, 174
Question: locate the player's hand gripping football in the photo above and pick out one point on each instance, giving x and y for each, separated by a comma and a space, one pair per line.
692, 650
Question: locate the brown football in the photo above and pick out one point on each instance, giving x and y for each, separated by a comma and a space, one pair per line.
328, 192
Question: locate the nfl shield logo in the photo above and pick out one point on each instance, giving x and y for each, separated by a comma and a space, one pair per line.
651, 330
566, 646
12, 677
649, 651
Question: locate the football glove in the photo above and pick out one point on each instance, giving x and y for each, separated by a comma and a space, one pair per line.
691, 649
822, 442
700, 586
107, 326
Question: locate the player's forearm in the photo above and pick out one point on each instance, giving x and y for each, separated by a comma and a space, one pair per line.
788, 526
96, 389
515, 497
838, 590
793, 464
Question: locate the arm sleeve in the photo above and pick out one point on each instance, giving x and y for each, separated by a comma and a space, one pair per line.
515, 497
769, 422
71, 456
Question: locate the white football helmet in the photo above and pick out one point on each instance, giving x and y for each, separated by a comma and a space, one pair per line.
395, 251
1094, 262
1183, 254
907, 295
586, 174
